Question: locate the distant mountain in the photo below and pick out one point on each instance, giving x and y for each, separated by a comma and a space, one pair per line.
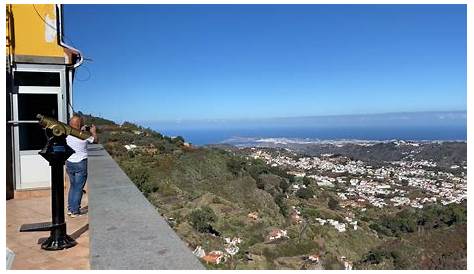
444, 153
431, 118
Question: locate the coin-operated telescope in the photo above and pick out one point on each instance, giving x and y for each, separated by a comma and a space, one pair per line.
59, 129
56, 152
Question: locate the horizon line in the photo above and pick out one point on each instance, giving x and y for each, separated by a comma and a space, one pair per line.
179, 120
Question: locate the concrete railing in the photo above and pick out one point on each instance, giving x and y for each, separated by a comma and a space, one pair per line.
126, 231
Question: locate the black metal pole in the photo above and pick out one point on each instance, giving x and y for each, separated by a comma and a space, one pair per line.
57, 154
57, 195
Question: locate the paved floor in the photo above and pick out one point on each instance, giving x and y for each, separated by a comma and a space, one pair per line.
28, 253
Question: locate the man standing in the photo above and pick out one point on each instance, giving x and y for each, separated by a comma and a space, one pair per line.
76, 165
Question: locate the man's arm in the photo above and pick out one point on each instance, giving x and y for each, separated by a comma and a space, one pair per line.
93, 132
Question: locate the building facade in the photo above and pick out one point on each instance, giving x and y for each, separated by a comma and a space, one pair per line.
40, 70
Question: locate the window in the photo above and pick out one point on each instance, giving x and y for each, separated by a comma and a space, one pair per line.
31, 104
42, 79
32, 136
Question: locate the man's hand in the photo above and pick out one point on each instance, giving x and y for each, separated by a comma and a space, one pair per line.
93, 131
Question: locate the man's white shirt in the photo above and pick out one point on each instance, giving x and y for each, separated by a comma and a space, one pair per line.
79, 146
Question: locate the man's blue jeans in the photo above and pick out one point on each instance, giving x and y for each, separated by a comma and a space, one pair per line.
77, 173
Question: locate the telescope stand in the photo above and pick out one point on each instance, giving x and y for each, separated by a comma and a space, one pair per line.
56, 152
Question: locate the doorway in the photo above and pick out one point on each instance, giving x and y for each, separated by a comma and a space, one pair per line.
38, 89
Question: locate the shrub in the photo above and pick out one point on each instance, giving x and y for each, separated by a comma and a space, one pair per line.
399, 262
256, 167
115, 150
130, 126
332, 263
304, 193
167, 189
139, 175
280, 172
269, 254
374, 257
148, 187
293, 248
308, 212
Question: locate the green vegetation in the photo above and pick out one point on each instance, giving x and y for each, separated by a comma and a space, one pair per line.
435, 231
440, 248
431, 217
209, 190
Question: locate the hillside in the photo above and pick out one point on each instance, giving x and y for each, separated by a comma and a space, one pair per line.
220, 199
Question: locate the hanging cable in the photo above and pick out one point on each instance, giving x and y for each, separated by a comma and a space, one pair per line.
49, 25
73, 48
89, 74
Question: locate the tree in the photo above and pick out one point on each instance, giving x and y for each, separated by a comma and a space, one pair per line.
306, 181
202, 218
284, 185
235, 165
280, 201
178, 140
374, 257
130, 126
333, 204
260, 183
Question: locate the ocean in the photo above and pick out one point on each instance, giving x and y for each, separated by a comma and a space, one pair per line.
237, 136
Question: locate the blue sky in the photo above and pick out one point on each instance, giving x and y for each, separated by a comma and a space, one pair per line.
188, 62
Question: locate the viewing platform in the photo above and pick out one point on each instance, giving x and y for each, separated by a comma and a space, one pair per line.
34, 206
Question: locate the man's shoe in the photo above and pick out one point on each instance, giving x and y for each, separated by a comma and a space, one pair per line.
69, 213
80, 213
74, 215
